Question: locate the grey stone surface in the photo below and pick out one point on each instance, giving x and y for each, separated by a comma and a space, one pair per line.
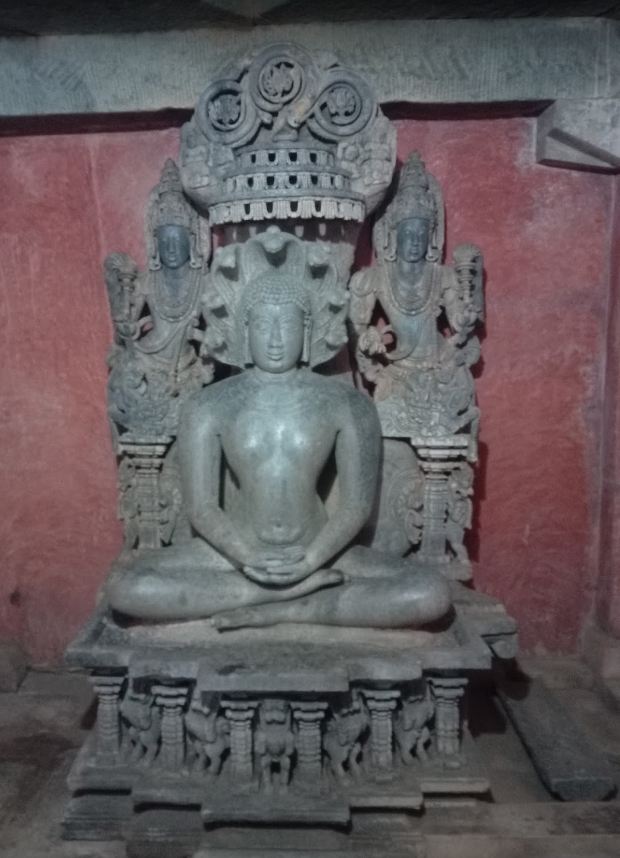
568, 763
582, 133
557, 671
602, 653
13, 666
40, 732
98, 16
247, 8
406, 61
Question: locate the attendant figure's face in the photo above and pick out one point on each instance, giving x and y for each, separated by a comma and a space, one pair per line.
173, 245
276, 336
412, 239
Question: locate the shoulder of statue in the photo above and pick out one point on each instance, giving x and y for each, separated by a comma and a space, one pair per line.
446, 275
209, 401
357, 403
366, 281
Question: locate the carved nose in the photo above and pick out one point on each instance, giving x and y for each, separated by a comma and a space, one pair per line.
275, 336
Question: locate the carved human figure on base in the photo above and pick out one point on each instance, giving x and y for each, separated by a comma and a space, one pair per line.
268, 551
274, 743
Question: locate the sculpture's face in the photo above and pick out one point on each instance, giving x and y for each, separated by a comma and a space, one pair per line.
412, 239
173, 245
276, 336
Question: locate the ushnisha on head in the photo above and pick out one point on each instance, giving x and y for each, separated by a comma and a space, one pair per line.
173, 230
277, 317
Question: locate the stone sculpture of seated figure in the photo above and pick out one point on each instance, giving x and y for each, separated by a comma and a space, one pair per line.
268, 552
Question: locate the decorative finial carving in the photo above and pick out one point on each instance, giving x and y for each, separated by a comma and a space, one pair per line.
285, 134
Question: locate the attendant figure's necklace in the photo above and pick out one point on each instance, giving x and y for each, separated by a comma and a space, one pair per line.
415, 299
174, 305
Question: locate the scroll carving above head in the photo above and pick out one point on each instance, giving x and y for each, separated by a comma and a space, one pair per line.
276, 267
287, 134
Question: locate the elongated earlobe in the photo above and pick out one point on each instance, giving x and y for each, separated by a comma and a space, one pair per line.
194, 256
247, 356
305, 354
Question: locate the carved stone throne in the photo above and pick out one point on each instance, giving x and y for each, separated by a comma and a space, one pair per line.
291, 723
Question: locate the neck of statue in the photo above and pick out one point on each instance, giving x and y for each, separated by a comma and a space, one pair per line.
263, 376
176, 273
410, 271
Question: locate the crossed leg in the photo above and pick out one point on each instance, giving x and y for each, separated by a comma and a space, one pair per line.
194, 581
379, 592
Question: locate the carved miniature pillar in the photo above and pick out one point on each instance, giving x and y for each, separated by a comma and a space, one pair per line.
240, 714
438, 459
147, 459
172, 700
381, 704
433, 545
309, 750
447, 693
108, 689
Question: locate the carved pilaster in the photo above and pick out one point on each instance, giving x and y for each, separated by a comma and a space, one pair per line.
108, 689
442, 463
240, 714
381, 704
147, 459
433, 547
308, 717
447, 693
172, 700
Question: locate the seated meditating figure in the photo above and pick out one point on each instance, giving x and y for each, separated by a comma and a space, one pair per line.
268, 549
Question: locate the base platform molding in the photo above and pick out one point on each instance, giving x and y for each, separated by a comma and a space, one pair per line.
198, 731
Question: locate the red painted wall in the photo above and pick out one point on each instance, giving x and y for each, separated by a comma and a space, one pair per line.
70, 199
608, 604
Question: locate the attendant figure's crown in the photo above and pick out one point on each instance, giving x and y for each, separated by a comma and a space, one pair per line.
414, 197
168, 205
168, 202
417, 195
285, 135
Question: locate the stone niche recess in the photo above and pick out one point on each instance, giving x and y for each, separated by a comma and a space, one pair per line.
288, 633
